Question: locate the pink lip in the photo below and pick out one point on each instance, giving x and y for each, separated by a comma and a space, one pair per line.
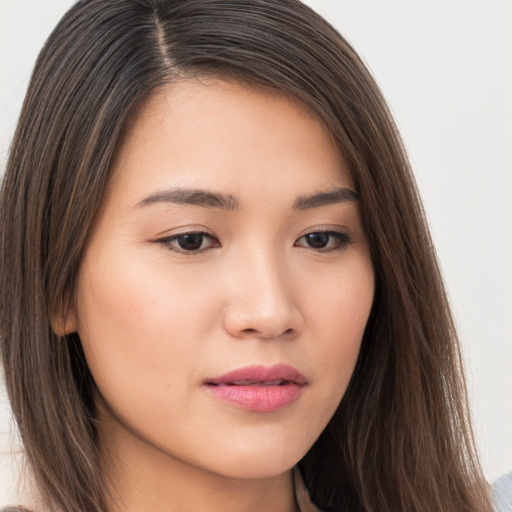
259, 388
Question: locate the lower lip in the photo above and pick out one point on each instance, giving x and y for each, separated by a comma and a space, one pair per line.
257, 398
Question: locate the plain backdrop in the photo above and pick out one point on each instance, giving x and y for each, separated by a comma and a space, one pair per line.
445, 67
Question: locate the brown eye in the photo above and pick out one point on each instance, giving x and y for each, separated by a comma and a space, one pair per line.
190, 241
194, 242
324, 241
317, 240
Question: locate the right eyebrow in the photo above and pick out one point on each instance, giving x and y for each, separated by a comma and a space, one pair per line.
194, 197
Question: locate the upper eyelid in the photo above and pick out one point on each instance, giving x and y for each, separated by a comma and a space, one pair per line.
175, 236
183, 233
342, 230
331, 232
204, 231
184, 230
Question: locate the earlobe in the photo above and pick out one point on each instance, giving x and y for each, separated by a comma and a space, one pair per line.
65, 320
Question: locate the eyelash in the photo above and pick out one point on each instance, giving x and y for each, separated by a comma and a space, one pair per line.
171, 243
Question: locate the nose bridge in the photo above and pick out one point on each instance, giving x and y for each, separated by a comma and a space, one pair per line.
261, 300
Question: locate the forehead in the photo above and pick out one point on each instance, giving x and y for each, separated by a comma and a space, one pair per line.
214, 133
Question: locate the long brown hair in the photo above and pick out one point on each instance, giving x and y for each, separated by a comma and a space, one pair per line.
401, 438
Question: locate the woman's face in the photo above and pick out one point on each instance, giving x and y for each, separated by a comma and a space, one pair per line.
226, 283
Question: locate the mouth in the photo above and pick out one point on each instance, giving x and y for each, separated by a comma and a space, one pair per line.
258, 388
248, 382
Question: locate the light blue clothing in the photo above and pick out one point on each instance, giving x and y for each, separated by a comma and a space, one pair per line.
502, 493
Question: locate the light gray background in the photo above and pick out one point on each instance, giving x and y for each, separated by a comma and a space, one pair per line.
445, 67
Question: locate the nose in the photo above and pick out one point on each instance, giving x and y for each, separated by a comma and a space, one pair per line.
261, 302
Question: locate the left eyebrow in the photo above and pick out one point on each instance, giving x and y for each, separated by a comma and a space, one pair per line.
339, 195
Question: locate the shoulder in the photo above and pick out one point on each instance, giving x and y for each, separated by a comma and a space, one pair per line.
502, 493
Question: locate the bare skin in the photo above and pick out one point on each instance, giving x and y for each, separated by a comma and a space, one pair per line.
229, 238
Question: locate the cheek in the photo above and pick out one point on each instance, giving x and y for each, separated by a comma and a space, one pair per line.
338, 311
141, 321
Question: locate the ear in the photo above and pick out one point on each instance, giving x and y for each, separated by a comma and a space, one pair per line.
65, 320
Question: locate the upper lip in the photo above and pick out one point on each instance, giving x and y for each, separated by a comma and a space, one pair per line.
277, 374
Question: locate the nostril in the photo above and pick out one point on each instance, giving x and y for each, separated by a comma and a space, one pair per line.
279, 323
259, 334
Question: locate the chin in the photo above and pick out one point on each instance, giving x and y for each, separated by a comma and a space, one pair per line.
251, 470
256, 462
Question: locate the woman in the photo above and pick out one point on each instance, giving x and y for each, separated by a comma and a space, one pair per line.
218, 286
